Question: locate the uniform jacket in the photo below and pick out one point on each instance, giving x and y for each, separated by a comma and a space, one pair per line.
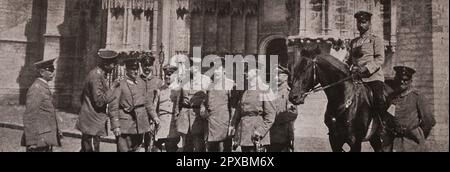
254, 114
152, 86
412, 112
39, 120
94, 99
219, 107
282, 130
368, 51
168, 112
192, 103
132, 109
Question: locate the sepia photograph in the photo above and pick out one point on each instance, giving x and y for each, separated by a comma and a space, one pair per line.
224, 76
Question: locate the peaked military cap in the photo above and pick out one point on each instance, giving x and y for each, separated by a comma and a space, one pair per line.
107, 54
404, 71
283, 70
363, 16
45, 64
131, 63
147, 60
169, 70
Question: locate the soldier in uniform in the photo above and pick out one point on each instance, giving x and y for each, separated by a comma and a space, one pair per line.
92, 118
220, 108
152, 85
255, 115
168, 110
413, 118
41, 131
191, 125
366, 59
131, 111
282, 131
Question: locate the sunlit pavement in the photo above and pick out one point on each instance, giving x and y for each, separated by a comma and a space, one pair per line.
310, 130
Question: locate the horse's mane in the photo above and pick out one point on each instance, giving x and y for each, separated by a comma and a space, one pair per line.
316, 51
339, 65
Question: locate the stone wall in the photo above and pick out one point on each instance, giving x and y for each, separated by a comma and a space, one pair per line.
440, 69
423, 44
22, 24
33, 30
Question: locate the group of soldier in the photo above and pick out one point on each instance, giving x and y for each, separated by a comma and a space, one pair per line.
152, 113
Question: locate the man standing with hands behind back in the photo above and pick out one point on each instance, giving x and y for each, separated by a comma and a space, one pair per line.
41, 130
413, 119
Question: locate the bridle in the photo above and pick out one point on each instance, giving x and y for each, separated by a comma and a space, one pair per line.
318, 88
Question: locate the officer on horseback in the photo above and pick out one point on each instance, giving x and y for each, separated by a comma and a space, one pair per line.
366, 58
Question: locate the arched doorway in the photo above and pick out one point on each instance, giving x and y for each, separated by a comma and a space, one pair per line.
278, 47
274, 45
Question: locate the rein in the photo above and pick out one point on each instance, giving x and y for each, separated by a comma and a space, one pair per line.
321, 88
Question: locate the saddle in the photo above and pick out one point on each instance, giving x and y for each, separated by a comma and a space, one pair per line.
370, 96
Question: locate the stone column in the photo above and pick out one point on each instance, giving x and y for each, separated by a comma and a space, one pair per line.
440, 30
393, 41
155, 23
303, 12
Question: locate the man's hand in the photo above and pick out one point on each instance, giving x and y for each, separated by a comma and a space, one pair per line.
357, 69
117, 132
202, 109
361, 72
257, 136
60, 134
157, 121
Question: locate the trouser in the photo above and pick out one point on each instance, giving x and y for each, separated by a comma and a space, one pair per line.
134, 142
223, 146
252, 149
170, 145
193, 143
279, 147
40, 149
90, 143
380, 106
412, 141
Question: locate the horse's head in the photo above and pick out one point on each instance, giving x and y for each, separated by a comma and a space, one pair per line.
304, 76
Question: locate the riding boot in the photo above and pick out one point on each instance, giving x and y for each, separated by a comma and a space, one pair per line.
379, 105
383, 121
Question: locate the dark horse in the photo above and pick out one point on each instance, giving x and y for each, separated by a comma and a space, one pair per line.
348, 114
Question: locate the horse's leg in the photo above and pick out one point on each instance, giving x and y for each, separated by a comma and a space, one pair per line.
375, 142
356, 147
336, 143
387, 142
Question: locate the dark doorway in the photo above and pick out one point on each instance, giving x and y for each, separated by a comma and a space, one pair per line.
278, 47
